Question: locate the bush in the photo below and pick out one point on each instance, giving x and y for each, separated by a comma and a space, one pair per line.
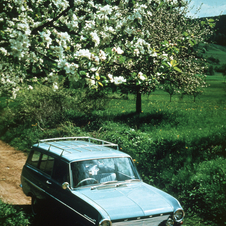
47, 108
212, 59
210, 184
221, 69
204, 189
41, 113
12, 216
42, 105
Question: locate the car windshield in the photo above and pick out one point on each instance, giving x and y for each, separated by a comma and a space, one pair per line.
103, 171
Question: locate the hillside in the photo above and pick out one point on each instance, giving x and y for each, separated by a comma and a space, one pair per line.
219, 36
215, 51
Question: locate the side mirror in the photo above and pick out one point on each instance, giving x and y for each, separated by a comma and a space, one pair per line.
65, 186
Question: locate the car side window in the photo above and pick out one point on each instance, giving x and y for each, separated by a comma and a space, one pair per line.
61, 171
46, 164
34, 158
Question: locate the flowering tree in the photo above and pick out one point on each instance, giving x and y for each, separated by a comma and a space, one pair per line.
139, 46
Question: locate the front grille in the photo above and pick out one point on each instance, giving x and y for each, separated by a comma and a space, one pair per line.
154, 221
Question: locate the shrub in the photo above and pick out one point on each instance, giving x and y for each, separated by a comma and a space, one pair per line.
41, 105
90, 100
12, 216
221, 68
204, 189
214, 60
210, 182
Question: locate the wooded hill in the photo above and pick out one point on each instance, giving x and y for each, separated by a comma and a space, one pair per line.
219, 36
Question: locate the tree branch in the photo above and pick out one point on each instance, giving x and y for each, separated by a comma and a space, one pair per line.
50, 23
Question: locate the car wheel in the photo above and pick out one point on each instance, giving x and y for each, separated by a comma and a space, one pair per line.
35, 205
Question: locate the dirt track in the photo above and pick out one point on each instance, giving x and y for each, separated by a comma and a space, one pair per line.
11, 163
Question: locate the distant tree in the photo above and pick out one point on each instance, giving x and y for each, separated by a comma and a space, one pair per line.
210, 70
169, 88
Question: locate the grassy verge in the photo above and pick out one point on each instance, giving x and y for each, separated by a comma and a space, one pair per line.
13, 216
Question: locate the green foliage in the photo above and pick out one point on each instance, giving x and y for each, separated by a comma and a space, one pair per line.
210, 70
203, 188
39, 113
10, 215
42, 105
213, 60
221, 68
209, 188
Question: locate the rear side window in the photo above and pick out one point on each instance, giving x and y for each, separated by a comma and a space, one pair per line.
34, 158
46, 164
41, 161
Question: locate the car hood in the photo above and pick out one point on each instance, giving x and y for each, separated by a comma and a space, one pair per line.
135, 199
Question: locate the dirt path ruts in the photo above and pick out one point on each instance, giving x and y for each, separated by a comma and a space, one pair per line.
11, 164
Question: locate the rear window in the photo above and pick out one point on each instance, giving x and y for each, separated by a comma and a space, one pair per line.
34, 158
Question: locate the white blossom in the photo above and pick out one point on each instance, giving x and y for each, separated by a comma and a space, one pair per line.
141, 76
106, 9
3, 51
95, 38
83, 53
110, 76
55, 86
118, 50
61, 4
46, 37
136, 52
102, 55
119, 80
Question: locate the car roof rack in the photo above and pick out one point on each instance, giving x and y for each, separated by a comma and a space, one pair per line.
93, 142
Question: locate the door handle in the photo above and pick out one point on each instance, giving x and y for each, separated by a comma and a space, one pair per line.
48, 182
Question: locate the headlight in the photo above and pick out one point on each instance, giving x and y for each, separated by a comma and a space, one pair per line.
105, 223
178, 215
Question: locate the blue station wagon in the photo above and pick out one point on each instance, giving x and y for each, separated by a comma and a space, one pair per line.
97, 182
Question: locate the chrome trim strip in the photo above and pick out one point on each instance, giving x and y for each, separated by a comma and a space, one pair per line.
89, 219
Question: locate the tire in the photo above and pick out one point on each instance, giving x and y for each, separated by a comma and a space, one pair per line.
35, 205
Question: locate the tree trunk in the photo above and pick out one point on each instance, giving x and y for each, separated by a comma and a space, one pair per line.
138, 102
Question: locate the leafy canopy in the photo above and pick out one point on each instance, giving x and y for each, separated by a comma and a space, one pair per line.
141, 44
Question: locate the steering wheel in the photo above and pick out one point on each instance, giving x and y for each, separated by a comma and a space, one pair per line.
86, 179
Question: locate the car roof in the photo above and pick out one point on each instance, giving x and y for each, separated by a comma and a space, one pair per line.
80, 148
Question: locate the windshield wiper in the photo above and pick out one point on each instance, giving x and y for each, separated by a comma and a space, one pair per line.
104, 183
109, 182
131, 180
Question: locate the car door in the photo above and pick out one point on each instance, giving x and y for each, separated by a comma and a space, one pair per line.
45, 172
67, 198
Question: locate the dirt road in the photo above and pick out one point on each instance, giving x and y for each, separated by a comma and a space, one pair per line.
11, 163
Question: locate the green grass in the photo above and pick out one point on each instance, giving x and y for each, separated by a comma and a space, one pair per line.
214, 96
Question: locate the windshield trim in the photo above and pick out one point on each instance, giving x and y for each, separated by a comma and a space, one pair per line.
112, 157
